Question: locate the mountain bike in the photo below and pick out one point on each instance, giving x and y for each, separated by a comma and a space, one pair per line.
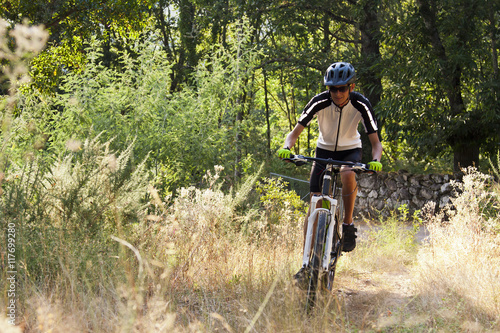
320, 258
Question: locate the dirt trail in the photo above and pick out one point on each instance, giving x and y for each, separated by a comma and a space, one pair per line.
373, 301
378, 299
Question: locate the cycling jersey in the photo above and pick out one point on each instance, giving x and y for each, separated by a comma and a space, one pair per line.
338, 126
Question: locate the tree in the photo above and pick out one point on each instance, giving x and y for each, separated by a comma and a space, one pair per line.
437, 93
71, 25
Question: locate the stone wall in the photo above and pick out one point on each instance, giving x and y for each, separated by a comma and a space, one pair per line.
385, 192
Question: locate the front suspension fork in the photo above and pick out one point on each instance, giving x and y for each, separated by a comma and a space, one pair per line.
332, 203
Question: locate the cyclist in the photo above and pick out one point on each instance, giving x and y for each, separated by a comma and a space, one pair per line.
339, 110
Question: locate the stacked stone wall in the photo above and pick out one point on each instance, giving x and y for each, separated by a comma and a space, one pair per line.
385, 192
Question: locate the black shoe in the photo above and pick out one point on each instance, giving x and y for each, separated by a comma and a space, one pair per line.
302, 278
349, 232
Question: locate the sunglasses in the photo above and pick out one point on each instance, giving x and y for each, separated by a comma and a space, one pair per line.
342, 89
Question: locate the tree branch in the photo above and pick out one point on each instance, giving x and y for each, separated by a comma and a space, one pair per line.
333, 34
69, 13
319, 10
290, 60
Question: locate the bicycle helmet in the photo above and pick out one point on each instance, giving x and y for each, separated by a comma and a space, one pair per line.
339, 74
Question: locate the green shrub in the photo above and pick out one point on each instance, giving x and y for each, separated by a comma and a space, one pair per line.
392, 241
65, 213
279, 202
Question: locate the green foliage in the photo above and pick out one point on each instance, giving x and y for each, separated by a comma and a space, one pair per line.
72, 25
67, 19
185, 133
22, 44
278, 201
66, 212
48, 68
204, 43
400, 155
424, 85
393, 239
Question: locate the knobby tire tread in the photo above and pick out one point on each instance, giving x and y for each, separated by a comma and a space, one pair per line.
316, 259
336, 251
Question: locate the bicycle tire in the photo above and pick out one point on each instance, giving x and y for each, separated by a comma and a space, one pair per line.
316, 259
337, 243
335, 254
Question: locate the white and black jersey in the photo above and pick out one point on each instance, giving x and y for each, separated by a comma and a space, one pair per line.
338, 127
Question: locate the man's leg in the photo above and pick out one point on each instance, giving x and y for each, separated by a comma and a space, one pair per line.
349, 192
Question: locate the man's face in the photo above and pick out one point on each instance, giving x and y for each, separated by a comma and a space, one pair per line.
340, 94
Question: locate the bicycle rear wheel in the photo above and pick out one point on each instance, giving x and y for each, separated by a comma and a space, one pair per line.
316, 259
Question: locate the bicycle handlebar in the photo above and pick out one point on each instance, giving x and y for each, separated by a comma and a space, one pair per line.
301, 160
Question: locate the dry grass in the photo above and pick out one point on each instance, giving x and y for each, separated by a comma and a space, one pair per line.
205, 264
209, 262
458, 270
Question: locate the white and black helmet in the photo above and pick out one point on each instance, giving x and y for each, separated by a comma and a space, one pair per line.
339, 74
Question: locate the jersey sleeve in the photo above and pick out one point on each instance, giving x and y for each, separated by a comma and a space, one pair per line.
364, 106
317, 103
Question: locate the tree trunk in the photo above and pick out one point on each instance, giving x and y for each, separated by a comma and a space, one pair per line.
268, 121
465, 155
369, 27
370, 51
187, 52
291, 123
326, 36
465, 149
161, 23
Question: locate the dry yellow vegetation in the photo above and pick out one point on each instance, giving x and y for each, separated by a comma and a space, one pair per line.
199, 266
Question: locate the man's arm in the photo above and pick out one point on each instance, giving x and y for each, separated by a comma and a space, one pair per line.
376, 146
292, 137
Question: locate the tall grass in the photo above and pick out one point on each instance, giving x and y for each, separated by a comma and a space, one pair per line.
66, 215
99, 250
92, 259
458, 270
208, 260
220, 263
392, 240
212, 260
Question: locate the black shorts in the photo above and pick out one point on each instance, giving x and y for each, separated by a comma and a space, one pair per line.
316, 178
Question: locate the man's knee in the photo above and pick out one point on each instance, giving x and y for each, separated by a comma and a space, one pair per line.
346, 172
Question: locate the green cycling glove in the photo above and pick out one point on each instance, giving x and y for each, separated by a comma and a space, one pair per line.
284, 153
375, 165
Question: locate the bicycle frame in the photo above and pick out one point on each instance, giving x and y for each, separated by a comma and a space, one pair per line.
318, 251
310, 226
328, 194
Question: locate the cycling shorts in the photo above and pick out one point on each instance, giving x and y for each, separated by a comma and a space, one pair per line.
317, 171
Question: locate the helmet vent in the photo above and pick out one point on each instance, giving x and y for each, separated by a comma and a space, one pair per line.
339, 73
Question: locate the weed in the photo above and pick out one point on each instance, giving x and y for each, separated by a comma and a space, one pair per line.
459, 268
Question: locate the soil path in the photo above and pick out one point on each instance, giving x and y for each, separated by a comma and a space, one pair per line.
375, 300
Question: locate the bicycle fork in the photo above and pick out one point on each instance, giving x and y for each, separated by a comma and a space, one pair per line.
329, 236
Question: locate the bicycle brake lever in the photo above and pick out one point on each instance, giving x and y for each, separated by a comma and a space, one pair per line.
364, 167
299, 160
296, 162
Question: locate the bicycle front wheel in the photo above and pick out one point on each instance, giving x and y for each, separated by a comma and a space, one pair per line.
335, 254
316, 259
